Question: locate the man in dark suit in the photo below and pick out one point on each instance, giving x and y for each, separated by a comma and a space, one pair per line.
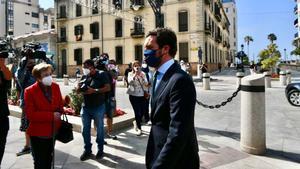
172, 142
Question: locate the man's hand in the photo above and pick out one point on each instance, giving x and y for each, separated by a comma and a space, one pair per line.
90, 91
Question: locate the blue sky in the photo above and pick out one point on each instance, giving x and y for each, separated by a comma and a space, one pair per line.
258, 18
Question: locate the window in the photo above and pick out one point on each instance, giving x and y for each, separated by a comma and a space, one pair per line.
27, 13
63, 13
138, 26
33, 25
78, 56
45, 19
117, 4
119, 55
118, 27
95, 52
94, 29
34, 14
184, 51
162, 21
226, 9
78, 32
183, 21
206, 54
27, 23
95, 7
78, 10
63, 34
138, 50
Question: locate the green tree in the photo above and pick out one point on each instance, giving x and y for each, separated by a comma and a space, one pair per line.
272, 37
247, 40
296, 51
270, 56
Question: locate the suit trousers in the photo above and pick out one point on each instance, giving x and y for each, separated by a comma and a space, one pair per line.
42, 152
138, 105
4, 127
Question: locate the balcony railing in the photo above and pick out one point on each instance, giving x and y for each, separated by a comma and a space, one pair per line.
61, 16
137, 32
62, 39
137, 4
207, 29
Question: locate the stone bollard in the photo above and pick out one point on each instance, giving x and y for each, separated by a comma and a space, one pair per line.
288, 77
206, 81
267, 79
199, 72
253, 123
282, 78
78, 78
66, 80
239, 76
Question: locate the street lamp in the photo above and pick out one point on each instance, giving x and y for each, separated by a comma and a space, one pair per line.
285, 55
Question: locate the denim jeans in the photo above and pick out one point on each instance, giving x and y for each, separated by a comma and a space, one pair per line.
87, 115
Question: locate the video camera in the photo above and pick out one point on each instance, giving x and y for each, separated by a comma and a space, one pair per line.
33, 51
3, 49
101, 61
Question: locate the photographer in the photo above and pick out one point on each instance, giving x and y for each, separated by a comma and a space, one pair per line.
25, 79
93, 86
5, 83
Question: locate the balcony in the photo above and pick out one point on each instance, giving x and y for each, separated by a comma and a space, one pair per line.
296, 10
296, 35
61, 16
137, 4
207, 29
296, 22
218, 38
137, 32
62, 40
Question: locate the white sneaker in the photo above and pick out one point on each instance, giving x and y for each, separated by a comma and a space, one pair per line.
139, 132
135, 125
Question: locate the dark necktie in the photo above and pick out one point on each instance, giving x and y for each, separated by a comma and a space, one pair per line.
154, 81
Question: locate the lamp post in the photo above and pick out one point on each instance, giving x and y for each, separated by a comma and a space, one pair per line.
285, 55
242, 56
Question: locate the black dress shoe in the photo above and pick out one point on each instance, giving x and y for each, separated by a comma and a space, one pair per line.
85, 156
99, 155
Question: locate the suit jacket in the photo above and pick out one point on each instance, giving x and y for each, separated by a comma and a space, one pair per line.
40, 111
173, 142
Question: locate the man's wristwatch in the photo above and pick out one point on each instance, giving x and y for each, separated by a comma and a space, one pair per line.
97, 90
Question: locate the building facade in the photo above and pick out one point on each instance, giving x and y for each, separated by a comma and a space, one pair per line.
25, 17
231, 12
84, 31
296, 24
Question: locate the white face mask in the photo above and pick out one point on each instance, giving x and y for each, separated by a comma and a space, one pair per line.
47, 81
144, 65
86, 71
136, 69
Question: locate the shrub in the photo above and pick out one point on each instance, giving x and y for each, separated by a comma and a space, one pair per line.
77, 100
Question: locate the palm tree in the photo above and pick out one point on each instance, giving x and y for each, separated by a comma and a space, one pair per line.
272, 37
247, 40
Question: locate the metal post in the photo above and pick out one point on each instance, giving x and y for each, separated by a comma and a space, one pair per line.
206, 81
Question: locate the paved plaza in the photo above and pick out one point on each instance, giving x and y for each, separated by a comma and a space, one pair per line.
218, 133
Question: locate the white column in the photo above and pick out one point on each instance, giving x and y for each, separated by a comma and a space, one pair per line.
253, 124
267, 79
282, 78
288, 77
239, 76
66, 80
206, 81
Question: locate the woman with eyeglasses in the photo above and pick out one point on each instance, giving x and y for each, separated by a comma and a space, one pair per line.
137, 87
43, 107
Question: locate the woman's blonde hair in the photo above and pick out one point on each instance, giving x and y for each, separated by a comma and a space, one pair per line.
39, 68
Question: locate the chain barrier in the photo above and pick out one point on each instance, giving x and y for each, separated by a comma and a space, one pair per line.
222, 103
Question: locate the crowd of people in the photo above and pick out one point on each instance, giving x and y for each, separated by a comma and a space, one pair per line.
159, 81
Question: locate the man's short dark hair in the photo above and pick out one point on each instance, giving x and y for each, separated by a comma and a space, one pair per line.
89, 63
165, 36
